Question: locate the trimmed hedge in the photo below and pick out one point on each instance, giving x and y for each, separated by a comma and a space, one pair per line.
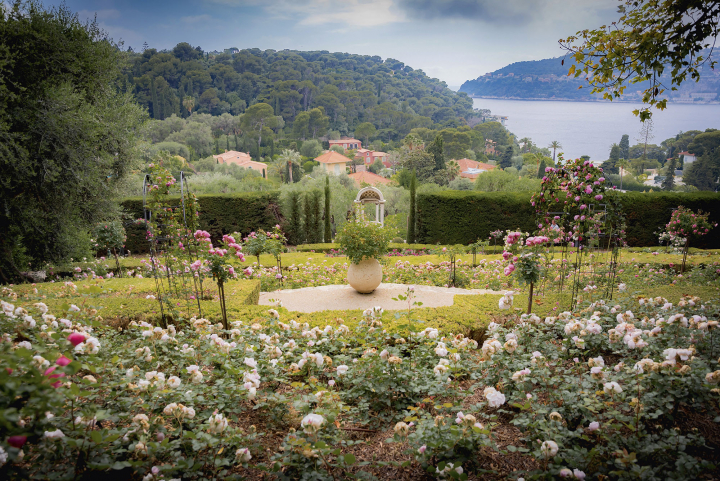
460, 217
219, 214
463, 217
333, 246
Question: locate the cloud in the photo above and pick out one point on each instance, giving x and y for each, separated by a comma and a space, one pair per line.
491, 11
342, 14
197, 18
516, 13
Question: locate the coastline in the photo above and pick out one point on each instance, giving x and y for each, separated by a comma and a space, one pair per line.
562, 99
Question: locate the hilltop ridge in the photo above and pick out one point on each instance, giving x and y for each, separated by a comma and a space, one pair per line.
547, 79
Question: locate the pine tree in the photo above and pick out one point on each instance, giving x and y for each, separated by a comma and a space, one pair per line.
411, 215
328, 231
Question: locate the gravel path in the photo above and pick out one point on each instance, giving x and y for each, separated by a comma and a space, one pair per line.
342, 297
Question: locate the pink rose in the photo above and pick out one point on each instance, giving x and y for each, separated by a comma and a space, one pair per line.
76, 338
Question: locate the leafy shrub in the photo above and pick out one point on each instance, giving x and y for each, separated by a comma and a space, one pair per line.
364, 240
219, 215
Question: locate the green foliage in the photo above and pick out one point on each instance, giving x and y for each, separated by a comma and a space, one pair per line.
705, 171
436, 150
294, 224
109, 237
311, 148
339, 92
454, 217
364, 131
497, 180
506, 157
326, 213
219, 214
636, 48
67, 132
364, 240
412, 216
669, 182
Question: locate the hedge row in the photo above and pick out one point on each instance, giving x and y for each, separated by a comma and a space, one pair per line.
460, 217
219, 214
324, 248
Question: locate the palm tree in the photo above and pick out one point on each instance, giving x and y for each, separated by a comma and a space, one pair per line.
189, 103
622, 163
289, 158
555, 145
453, 170
525, 141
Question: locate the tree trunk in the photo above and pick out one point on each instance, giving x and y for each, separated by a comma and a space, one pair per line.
530, 297
685, 253
221, 292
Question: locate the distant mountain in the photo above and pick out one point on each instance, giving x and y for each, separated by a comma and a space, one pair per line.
547, 79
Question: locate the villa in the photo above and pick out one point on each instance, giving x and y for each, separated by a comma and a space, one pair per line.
241, 159
333, 162
370, 156
347, 143
470, 169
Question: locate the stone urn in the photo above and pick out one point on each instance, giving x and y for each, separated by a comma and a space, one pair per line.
366, 276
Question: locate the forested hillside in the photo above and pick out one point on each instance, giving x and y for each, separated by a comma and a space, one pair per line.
348, 89
548, 79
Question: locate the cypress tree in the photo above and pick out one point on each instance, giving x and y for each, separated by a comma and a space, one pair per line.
317, 232
541, 169
328, 231
625, 146
227, 137
506, 158
217, 147
154, 99
295, 222
669, 181
236, 143
307, 225
411, 216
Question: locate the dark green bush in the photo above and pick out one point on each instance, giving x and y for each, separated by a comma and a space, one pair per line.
459, 217
219, 214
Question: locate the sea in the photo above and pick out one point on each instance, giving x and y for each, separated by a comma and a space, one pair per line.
590, 128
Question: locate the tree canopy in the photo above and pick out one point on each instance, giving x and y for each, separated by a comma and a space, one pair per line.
66, 133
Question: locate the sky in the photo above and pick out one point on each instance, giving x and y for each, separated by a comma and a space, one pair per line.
453, 40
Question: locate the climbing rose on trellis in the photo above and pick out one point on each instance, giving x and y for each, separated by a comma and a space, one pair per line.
574, 188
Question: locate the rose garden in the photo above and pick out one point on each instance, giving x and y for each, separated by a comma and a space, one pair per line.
583, 357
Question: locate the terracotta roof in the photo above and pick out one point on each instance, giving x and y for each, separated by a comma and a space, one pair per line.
232, 157
332, 157
361, 151
344, 141
466, 164
470, 169
368, 178
685, 153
